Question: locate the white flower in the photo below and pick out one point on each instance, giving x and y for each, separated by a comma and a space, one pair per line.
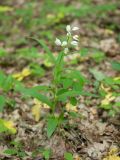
68, 28
75, 28
76, 37
66, 50
58, 42
64, 43
74, 43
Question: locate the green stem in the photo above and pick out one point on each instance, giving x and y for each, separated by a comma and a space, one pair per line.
55, 84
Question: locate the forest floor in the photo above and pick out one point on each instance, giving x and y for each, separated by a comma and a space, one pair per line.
95, 133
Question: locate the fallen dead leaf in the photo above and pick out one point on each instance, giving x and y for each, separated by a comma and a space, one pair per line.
69, 107
108, 99
21, 75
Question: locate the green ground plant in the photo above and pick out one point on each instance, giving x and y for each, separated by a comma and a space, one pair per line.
65, 85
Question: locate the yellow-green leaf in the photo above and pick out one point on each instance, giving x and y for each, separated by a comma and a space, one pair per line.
5, 8
106, 89
21, 75
112, 158
70, 108
36, 109
108, 98
7, 126
112, 154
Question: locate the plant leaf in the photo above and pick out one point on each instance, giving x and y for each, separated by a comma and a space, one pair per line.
115, 65
5, 8
68, 156
36, 109
66, 82
73, 101
52, 123
108, 98
7, 126
2, 103
69, 94
8, 83
58, 67
97, 74
42, 43
70, 108
11, 151
2, 79
21, 75
33, 93
46, 153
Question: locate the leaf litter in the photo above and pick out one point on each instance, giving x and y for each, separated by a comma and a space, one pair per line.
93, 135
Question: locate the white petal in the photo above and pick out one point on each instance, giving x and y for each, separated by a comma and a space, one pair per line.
68, 28
58, 42
76, 37
74, 43
64, 43
66, 50
75, 28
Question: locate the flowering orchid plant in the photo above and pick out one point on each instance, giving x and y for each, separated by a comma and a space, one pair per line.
67, 83
65, 86
60, 71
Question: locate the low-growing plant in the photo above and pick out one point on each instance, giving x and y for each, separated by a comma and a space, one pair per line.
45, 152
6, 85
108, 90
16, 149
65, 86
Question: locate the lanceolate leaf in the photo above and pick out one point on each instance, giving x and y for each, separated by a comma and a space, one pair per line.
98, 75
2, 78
6, 82
47, 153
42, 43
5, 8
33, 92
2, 103
10, 151
67, 82
68, 156
40, 88
116, 65
69, 94
76, 75
78, 86
77, 78
51, 125
58, 66
73, 93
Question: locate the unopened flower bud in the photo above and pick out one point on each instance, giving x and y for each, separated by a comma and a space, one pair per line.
74, 43
66, 50
68, 28
64, 43
75, 28
58, 42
